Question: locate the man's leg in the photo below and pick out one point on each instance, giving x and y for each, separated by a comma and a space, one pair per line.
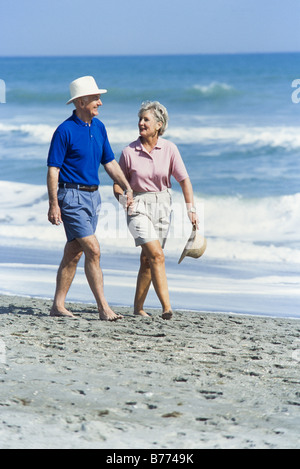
65, 275
93, 272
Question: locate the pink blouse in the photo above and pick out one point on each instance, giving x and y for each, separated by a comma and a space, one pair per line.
151, 172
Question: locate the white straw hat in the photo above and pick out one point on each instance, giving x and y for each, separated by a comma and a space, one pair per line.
195, 245
84, 86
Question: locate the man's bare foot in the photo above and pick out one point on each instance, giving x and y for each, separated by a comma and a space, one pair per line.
141, 313
109, 315
54, 312
167, 314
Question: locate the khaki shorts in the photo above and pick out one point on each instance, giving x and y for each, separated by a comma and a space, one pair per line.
150, 216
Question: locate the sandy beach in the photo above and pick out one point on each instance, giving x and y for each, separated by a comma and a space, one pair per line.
201, 380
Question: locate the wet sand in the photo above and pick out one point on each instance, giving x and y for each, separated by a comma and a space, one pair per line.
201, 380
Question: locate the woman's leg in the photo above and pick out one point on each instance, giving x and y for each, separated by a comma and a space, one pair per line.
142, 286
154, 254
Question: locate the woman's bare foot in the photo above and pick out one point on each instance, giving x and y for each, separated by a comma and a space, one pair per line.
64, 313
141, 313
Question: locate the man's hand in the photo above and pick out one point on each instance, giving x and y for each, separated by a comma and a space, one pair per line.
54, 214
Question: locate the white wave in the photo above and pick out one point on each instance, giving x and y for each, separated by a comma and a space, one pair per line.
239, 135
122, 135
265, 229
268, 219
36, 133
214, 89
286, 137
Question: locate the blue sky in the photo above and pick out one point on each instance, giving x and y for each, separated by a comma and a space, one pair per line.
137, 27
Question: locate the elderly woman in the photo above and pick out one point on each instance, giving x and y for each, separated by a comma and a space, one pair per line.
148, 164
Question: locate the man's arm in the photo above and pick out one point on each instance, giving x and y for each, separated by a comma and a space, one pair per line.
54, 214
115, 172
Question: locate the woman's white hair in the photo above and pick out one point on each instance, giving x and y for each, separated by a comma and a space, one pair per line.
159, 112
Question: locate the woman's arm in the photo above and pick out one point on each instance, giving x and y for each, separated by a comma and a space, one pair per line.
187, 190
118, 191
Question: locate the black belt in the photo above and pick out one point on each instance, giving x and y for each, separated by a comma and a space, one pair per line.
80, 187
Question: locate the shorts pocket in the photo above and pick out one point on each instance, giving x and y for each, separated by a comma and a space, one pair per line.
68, 199
61, 195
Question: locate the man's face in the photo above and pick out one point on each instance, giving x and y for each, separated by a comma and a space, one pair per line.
91, 104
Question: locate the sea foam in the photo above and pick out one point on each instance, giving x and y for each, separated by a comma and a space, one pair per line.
236, 228
214, 90
276, 136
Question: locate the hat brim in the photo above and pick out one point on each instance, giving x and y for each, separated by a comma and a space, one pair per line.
195, 246
89, 94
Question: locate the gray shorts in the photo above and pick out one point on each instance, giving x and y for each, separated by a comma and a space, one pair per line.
149, 218
79, 212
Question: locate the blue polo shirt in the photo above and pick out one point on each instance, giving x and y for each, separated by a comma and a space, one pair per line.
78, 150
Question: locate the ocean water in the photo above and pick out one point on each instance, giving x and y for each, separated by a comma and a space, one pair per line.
236, 123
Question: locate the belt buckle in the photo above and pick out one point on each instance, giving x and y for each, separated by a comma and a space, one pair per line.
87, 188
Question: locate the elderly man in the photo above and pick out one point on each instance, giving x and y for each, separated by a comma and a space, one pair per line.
78, 147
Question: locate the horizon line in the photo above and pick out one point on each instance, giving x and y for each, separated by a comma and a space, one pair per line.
171, 54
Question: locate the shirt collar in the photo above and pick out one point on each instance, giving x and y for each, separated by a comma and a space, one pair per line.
139, 145
78, 120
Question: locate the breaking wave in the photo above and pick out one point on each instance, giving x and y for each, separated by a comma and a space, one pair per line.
274, 137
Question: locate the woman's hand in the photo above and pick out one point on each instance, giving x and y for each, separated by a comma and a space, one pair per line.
192, 214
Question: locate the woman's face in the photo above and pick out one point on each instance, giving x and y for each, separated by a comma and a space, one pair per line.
148, 125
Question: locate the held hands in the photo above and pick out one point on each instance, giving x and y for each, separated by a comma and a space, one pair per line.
129, 198
126, 199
